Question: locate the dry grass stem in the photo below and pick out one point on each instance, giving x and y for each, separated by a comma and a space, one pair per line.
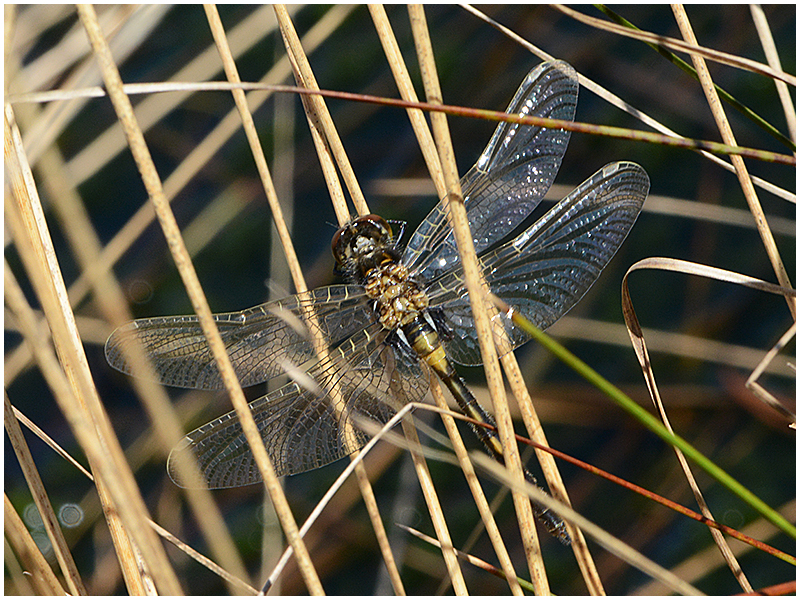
63, 554
757, 389
407, 92
735, 356
153, 109
774, 60
183, 262
425, 140
56, 116
638, 341
458, 220
689, 46
355, 463
373, 511
628, 108
42, 579
320, 121
107, 291
328, 144
188, 168
236, 584
257, 151
599, 535
435, 510
48, 440
477, 493
471, 559
16, 300
769, 243
82, 405
741, 171
551, 473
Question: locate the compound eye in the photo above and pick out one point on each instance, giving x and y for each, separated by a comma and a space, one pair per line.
336, 237
341, 242
379, 228
345, 240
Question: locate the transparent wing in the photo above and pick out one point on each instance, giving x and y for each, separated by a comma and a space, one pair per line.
548, 268
307, 427
511, 176
260, 340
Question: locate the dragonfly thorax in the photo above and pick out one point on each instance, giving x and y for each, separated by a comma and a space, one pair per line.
398, 299
365, 253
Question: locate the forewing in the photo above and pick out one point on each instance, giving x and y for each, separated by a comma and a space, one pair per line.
308, 426
511, 176
261, 341
548, 268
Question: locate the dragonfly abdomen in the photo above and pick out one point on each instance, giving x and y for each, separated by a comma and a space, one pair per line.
424, 340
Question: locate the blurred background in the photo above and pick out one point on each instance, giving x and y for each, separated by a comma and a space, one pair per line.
707, 336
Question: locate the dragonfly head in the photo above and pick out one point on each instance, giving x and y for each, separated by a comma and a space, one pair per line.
363, 244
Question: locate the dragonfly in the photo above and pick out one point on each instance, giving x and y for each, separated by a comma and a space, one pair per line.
363, 349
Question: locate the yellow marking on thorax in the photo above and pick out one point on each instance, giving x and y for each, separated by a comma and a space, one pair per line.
399, 300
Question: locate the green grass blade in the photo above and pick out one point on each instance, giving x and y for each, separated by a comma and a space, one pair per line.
647, 419
679, 62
